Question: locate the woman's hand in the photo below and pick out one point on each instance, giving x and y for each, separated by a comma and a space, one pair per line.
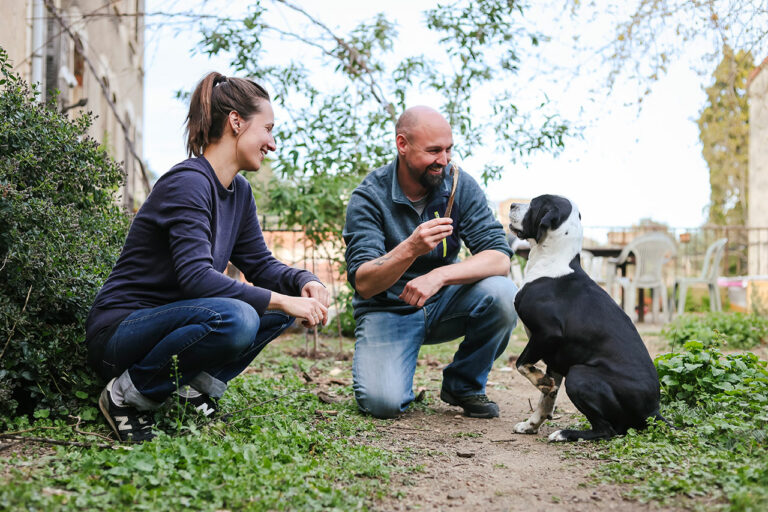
309, 310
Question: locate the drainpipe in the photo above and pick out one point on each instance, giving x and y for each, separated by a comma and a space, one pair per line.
38, 42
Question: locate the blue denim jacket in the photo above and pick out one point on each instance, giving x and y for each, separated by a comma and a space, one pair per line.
380, 216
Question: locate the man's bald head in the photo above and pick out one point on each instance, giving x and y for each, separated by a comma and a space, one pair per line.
420, 116
424, 143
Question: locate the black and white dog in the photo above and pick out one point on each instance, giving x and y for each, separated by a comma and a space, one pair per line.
578, 330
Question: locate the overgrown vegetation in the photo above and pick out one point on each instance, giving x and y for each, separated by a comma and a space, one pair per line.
719, 453
731, 330
280, 448
60, 233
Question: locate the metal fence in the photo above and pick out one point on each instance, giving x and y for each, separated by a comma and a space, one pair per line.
746, 252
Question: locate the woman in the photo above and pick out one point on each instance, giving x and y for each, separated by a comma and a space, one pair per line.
167, 319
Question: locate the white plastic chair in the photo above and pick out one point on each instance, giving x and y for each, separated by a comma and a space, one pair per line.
709, 274
594, 266
652, 251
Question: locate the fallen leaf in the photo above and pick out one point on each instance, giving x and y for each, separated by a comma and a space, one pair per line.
327, 397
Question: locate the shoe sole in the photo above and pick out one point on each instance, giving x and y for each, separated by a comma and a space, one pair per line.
448, 398
104, 407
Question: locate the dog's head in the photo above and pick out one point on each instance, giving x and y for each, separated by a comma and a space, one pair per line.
547, 217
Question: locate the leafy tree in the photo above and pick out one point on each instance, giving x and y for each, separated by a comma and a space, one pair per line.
342, 120
60, 232
724, 134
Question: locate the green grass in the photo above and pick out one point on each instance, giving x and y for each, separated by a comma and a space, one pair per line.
285, 454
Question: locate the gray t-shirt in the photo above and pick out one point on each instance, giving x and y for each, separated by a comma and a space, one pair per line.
420, 204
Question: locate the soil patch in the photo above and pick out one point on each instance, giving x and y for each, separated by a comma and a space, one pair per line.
477, 464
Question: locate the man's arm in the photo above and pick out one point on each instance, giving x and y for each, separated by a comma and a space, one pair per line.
479, 266
377, 275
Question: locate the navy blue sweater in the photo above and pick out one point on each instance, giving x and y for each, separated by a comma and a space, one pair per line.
179, 244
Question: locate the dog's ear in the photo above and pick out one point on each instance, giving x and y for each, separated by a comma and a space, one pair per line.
550, 219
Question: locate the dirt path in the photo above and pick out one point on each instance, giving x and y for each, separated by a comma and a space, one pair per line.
476, 464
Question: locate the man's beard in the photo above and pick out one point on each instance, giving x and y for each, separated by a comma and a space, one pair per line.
431, 181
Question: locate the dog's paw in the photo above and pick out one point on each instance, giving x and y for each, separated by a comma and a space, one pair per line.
556, 437
525, 427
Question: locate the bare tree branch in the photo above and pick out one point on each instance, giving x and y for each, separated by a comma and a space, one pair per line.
355, 58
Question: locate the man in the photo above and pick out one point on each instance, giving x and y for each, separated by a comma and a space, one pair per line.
410, 287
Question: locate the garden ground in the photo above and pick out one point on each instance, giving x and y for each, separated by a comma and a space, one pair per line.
476, 464
304, 446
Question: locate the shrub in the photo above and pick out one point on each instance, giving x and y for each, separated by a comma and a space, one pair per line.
60, 233
736, 330
718, 453
701, 375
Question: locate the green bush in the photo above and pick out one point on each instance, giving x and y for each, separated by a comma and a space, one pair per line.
736, 330
60, 233
701, 375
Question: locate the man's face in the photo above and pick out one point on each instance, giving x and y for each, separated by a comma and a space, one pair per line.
426, 151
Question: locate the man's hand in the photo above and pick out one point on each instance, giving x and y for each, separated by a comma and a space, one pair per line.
428, 234
316, 290
420, 289
377, 275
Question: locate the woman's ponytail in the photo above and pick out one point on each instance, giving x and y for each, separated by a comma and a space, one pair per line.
213, 99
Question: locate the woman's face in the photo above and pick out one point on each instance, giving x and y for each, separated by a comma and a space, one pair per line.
256, 138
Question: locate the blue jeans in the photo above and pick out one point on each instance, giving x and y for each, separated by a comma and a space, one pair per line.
388, 344
214, 340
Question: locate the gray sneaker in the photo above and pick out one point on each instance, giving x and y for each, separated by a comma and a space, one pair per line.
475, 406
128, 423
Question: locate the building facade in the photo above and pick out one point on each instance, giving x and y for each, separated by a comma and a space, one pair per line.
757, 216
87, 55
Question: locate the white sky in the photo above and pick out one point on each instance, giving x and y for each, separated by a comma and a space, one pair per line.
627, 164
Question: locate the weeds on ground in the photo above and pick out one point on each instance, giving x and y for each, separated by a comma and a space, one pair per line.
719, 452
732, 330
291, 451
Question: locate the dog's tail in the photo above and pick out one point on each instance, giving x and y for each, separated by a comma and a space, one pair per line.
658, 417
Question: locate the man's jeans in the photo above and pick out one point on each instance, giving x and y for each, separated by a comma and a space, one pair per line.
388, 344
214, 340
